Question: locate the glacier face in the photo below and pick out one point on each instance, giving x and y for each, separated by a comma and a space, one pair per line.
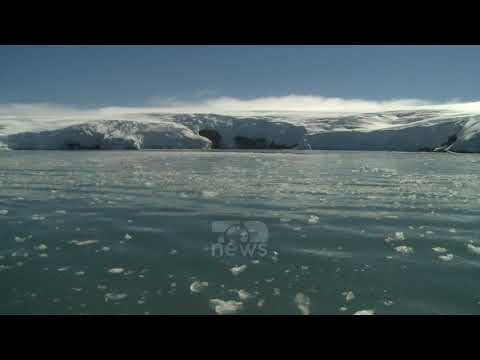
419, 130
110, 135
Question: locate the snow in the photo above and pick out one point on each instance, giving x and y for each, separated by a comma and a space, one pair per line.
439, 129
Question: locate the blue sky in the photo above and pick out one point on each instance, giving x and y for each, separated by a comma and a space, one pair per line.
97, 76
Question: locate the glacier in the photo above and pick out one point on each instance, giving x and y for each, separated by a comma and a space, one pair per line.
428, 129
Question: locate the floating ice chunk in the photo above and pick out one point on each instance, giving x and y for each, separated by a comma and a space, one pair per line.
198, 286
38, 217
238, 269
452, 230
3, 212
349, 295
43, 255
61, 212
244, 295
439, 249
388, 302
20, 239
365, 312
116, 270
83, 243
474, 249
128, 237
209, 194
404, 249
63, 268
343, 308
42, 247
260, 302
399, 236
80, 273
312, 219
276, 292
105, 248
303, 303
115, 297
228, 307
447, 257
429, 232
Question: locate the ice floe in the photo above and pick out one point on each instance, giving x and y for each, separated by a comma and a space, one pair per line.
226, 307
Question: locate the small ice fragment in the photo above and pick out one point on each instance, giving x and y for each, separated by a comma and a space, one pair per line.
20, 239
198, 286
244, 295
42, 247
365, 312
114, 297
63, 268
3, 212
80, 273
312, 219
38, 217
84, 243
228, 307
61, 212
303, 303
128, 237
429, 232
209, 194
439, 249
116, 271
105, 248
276, 292
452, 230
43, 255
404, 249
260, 302
388, 302
447, 257
173, 252
343, 308
349, 295
399, 236
238, 269
474, 249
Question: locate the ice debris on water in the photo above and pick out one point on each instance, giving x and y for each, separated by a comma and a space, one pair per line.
404, 249
399, 236
244, 295
42, 247
365, 312
226, 307
115, 297
198, 286
312, 219
303, 303
439, 249
128, 237
446, 257
349, 295
474, 249
83, 243
116, 270
4, 212
238, 269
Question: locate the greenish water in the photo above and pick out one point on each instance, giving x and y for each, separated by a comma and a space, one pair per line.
130, 232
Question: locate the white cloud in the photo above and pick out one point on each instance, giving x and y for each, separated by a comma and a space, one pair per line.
31, 116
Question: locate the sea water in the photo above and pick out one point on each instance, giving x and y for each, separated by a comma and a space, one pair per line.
284, 232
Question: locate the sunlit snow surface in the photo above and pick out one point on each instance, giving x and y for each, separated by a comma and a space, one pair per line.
415, 130
349, 232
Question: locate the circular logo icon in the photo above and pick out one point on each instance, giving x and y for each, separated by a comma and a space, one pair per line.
237, 233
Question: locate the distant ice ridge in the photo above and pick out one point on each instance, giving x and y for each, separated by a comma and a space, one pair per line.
418, 130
